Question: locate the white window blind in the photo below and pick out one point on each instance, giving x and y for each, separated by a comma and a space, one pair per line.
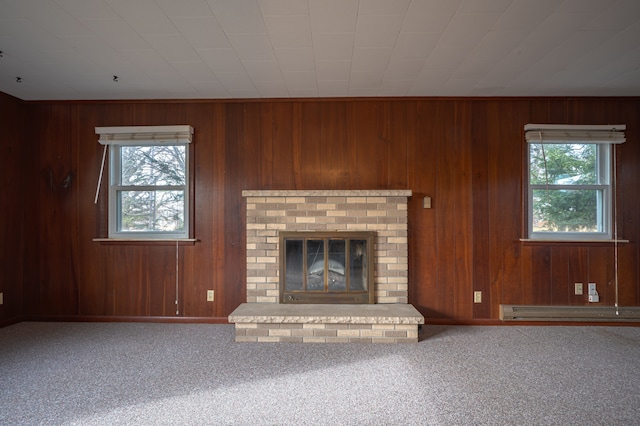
563, 133
145, 135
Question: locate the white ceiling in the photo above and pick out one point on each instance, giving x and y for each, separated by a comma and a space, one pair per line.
188, 49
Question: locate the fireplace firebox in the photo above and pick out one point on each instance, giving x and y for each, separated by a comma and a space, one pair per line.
326, 267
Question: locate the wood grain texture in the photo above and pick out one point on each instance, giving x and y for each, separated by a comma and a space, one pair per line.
15, 202
466, 154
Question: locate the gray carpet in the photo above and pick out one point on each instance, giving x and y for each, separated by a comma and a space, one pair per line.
151, 374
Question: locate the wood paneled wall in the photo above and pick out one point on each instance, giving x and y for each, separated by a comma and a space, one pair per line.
467, 154
14, 154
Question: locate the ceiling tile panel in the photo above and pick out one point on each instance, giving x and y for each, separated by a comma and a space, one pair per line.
284, 7
446, 57
377, 30
29, 36
50, 17
383, 7
88, 9
395, 87
252, 46
221, 60
272, 89
427, 80
194, 71
467, 29
294, 59
289, 30
496, 45
365, 80
333, 88
415, 45
202, 32
300, 80
484, 6
209, 90
621, 15
185, 8
236, 81
429, 15
94, 49
337, 46
173, 47
473, 68
116, 33
238, 16
371, 59
263, 70
557, 27
148, 60
576, 6
403, 70
144, 15
333, 70
525, 15
333, 16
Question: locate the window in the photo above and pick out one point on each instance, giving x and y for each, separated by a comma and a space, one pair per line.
571, 176
148, 181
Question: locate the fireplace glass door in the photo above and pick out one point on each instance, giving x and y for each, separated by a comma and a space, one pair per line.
324, 267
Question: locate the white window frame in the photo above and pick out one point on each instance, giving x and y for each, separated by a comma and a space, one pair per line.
605, 138
117, 137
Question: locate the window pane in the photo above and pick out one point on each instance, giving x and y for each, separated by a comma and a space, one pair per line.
153, 165
151, 211
563, 164
315, 265
293, 265
337, 259
557, 210
358, 265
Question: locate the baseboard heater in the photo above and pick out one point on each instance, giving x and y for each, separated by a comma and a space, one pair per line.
569, 313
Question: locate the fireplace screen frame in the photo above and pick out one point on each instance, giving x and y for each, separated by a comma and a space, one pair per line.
329, 267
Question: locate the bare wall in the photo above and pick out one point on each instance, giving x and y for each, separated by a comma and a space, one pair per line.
467, 154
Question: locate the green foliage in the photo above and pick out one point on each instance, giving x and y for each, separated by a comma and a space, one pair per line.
556, 172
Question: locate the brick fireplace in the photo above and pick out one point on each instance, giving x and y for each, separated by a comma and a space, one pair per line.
384, 212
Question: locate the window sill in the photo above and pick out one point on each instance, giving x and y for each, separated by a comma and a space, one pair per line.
141, 241
540, 242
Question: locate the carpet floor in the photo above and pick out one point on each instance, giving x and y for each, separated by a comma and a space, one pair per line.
192, 374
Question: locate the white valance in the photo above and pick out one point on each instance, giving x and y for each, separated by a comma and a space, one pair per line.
145, 135
565, 133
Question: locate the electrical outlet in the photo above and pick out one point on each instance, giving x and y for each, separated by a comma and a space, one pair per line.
577, 289
477, 297
1, 298
209, 295
593, 295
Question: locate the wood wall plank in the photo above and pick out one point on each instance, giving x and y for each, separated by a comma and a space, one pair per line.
17, 205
